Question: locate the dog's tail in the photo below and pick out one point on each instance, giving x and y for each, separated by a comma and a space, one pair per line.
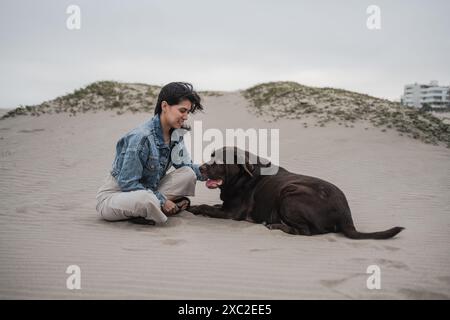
349, 231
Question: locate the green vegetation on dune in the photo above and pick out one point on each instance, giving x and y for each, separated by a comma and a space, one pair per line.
97, 96
290, 100
101, 95
210, 93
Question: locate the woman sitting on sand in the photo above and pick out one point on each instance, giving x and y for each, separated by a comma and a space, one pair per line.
137, 187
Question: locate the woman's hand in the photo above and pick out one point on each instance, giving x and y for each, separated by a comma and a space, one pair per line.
170, 208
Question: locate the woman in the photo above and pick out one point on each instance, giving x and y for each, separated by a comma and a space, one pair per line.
137, 187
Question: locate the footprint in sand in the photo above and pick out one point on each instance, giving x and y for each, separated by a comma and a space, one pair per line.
331, 283
173, 242
22, 209
369, 245
6, 153
31, 130
423, 294
358, 244
444, 279
136, 249
263, 250
390, 248
359, 260
392, 264
382, 262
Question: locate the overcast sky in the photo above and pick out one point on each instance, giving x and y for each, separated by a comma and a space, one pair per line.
220, 45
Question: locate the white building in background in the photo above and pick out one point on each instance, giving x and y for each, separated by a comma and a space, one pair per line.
416, 95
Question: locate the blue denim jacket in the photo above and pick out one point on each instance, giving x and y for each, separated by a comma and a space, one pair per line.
142, 158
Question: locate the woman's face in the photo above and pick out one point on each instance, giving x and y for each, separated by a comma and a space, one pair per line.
176, 115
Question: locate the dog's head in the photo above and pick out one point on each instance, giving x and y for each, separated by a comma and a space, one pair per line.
229, 165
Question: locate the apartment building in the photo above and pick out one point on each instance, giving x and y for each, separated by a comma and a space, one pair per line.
416, 95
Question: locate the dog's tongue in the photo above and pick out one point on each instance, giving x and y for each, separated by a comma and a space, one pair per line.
212, 184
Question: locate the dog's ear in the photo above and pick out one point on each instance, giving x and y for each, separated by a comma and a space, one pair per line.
249, 168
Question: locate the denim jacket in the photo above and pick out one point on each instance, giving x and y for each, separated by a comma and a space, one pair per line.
142, 158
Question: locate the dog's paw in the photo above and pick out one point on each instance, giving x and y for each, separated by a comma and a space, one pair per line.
194, 210
268, 225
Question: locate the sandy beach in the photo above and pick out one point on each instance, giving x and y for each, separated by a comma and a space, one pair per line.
52, 165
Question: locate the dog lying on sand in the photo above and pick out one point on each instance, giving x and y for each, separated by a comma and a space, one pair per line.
294, 203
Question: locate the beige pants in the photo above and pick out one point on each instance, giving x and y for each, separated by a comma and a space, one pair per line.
114, 205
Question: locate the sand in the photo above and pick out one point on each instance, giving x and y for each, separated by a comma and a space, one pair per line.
51, 167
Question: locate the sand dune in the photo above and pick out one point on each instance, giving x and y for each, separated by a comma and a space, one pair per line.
51, 167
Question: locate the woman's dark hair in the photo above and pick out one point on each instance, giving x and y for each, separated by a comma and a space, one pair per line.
175, 92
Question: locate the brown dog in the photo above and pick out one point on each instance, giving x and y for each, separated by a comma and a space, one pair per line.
291, 202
